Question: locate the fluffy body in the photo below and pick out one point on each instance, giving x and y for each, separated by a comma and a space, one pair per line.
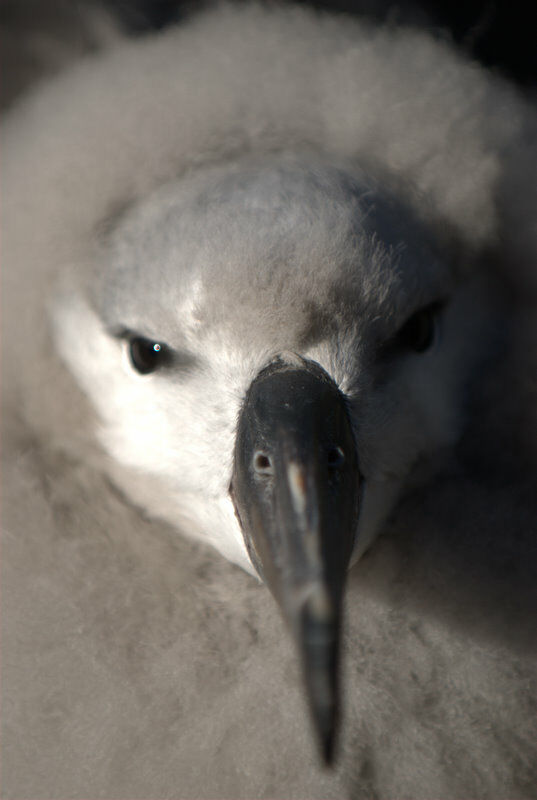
305, 203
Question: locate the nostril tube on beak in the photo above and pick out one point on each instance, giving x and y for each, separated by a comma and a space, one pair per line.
262, 463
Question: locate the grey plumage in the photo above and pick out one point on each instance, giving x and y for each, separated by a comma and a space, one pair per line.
39, 39
309, 202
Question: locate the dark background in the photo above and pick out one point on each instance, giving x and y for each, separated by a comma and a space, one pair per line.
499, 33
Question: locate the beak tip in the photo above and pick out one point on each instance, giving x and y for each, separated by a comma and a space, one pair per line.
327, 748
326, 730
318, 644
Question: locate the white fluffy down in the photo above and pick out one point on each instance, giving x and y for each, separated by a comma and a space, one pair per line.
138, 663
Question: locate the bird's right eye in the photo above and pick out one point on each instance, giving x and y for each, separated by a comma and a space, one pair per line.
146, 355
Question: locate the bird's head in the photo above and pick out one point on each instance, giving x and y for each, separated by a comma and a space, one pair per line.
272, 346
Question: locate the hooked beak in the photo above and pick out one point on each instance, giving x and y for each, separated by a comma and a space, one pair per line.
295, 487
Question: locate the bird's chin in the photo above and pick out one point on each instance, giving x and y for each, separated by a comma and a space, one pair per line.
378, 498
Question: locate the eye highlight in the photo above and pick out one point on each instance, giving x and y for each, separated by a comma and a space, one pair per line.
147, 356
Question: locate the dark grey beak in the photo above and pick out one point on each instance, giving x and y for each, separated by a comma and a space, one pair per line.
295, 487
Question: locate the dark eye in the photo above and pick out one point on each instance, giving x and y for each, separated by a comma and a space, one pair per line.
147, 356
418, 332
335, 457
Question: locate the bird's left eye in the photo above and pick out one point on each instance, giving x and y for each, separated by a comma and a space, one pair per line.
418, 332
146, 355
